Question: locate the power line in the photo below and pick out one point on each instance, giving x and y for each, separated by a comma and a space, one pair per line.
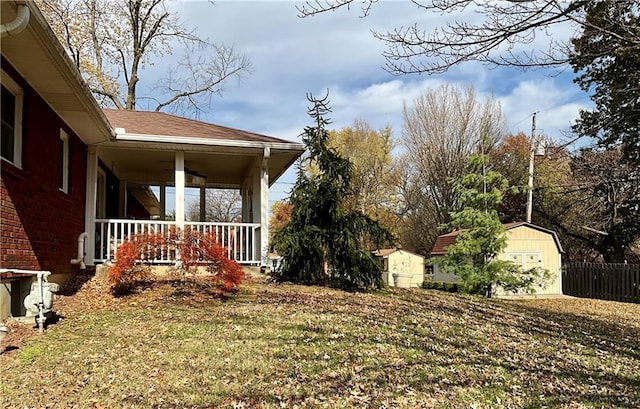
551, 108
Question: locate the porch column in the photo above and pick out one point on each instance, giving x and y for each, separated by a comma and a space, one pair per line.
262, 207
163, 201
90, 205
180, 185
122, 204
203, 203
247, 206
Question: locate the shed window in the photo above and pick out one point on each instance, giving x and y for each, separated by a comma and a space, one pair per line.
525, 260
11, 107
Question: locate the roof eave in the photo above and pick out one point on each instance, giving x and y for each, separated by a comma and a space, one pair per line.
42, 32
190, 140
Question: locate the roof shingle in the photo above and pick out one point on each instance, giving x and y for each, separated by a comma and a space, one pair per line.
163, 124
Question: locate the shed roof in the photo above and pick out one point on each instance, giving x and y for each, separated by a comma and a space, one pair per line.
445, 240
384, 253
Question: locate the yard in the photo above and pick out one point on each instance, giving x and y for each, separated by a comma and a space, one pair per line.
285, 346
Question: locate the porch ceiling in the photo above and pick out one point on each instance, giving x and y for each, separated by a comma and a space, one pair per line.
38, 56
222, 167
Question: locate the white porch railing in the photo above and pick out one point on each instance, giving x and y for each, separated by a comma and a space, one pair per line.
237, 238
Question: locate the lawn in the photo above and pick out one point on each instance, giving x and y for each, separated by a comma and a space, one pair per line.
173, 345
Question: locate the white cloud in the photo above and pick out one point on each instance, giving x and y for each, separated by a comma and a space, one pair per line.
557, 103
294, 56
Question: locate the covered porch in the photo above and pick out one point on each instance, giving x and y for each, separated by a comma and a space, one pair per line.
138, 179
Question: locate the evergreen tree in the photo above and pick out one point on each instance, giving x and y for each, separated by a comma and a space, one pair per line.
606, 58
322, 244
481, 237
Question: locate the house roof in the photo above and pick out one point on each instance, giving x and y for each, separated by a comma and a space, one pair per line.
39, 57
161, 124
445, 240
145, 144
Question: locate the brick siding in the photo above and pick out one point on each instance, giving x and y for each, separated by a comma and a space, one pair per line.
39, 224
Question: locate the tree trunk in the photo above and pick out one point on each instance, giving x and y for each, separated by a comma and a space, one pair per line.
613, 253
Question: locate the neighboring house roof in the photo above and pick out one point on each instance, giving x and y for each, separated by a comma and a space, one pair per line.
445, 240
163, 125
384, 253
39, 57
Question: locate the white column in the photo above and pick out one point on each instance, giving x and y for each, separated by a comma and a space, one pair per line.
180, 185
203, 203
264, 207
246, 192
90, 205
163, 201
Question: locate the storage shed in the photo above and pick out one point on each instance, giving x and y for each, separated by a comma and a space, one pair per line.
528, 245
401, 268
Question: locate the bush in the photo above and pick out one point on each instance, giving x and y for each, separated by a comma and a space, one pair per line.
203, 249
129, 267
135, 254
441, 286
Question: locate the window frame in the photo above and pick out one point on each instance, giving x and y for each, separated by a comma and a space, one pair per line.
18, 94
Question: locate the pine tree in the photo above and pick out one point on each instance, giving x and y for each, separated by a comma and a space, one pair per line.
606, 57
322, 244
482, 237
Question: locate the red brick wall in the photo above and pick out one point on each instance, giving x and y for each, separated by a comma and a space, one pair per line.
39, 224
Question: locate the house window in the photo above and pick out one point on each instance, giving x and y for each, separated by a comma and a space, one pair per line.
11, 107
63, 162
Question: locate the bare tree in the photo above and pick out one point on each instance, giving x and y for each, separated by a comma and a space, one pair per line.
113, 41
594, 199
374, 179
221, 205
441, 129
503, 27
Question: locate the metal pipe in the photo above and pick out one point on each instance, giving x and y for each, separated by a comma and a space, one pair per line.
41, 318
80, 259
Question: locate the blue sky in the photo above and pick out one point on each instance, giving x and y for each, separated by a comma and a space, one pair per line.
337, 51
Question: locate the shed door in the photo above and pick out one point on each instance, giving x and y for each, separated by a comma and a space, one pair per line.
525, 260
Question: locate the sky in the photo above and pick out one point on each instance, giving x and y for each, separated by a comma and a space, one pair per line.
336, 51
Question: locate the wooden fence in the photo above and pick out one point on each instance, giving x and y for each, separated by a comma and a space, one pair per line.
605, 281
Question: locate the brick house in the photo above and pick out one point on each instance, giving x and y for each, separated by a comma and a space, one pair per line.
76, 179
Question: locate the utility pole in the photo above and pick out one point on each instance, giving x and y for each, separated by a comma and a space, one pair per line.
532, 154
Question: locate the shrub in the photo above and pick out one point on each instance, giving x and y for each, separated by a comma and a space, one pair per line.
132, 263
129, 267
204, 249
441, 286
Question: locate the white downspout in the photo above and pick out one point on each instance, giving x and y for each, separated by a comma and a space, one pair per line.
80, 259
19, 23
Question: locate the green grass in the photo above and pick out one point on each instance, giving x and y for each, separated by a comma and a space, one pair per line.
289, 346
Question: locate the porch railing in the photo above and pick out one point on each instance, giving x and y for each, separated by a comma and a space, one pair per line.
237, 238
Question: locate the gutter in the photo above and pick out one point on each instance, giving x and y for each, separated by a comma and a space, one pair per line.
43, 32
122, 136
18, 24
